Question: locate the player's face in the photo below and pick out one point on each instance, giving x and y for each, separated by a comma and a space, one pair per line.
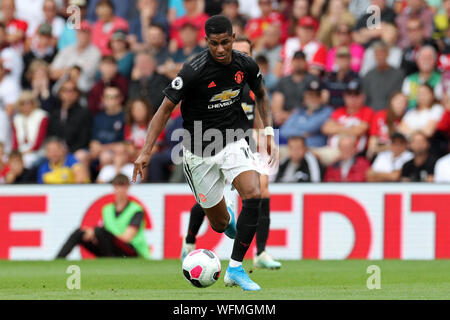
221, 46
243, 46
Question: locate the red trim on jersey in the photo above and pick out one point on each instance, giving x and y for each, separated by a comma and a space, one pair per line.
42, 133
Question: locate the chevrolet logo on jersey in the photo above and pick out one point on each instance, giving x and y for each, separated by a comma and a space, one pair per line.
224, 99
225, 95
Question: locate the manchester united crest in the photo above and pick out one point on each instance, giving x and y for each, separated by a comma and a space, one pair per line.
239, 77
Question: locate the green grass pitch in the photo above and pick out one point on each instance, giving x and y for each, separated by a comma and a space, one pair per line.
305, 279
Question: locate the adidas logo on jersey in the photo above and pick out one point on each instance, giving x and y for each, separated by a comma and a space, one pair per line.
212, 85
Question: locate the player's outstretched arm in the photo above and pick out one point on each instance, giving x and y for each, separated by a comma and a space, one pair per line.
157, 125
263, 106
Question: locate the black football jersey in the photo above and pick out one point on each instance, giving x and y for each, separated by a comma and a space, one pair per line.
211, 92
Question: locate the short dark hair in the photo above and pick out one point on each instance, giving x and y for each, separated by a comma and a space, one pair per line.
120, 180
109, 59
218, 24
156, 25
397, 136
299, 55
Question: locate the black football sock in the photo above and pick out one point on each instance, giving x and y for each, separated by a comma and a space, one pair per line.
262, 231
195, 221
246, 228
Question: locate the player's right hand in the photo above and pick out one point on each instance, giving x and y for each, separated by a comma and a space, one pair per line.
139, 166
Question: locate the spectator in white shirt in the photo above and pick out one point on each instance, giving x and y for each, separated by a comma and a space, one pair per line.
11, 58
250, 8
388, 164
5, 131
425, 117
9, 89
442, 169
83, 54
120, 164
30, 11
49, 15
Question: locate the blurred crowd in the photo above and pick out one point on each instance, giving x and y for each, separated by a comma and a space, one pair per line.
360, 89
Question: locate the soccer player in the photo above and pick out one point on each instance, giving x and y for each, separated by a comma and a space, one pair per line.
262, 259
210, 87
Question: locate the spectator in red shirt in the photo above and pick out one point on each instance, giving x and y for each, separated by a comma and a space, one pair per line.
349, 167
3, 164
353, 119
139, 112
444, 124
109, 76
385, 123
256, 27
192, 16
15, 171
316, 52
104, 28
440, 142
16, 29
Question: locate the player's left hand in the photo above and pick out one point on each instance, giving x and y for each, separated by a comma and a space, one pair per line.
272, 150
139, 165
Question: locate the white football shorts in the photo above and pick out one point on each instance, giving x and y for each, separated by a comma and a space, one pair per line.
262, 164
207, 177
